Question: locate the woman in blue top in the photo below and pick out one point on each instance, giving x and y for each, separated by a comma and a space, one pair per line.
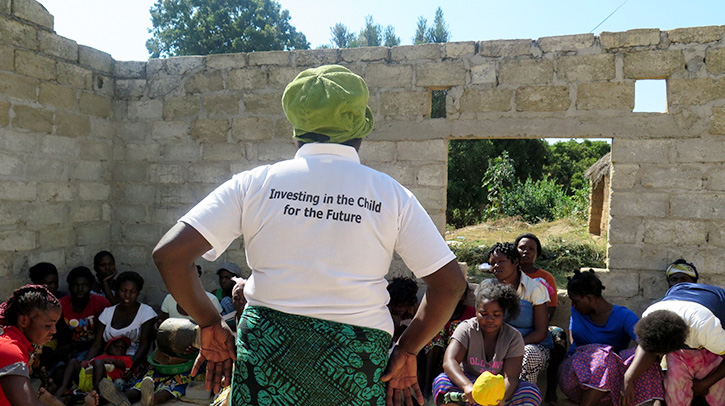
600, 334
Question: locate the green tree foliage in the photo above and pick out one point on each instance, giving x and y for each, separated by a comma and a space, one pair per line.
534, 201
371, 35
389, 37
570, 159
201, 27
439, 31
420, 31
341, 37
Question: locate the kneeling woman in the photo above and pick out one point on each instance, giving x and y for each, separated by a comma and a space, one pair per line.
601, 332
487, 343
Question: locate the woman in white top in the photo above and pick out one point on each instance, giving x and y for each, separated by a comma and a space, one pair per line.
128, 318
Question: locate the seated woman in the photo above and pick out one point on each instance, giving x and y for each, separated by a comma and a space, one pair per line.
128, 318
681, 271
105, 266
171, 309
403, 303
533, 319
600, 333
487, 343
226, 273
687, 325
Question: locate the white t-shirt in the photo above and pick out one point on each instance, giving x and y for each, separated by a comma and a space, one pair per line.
132, 331
169, 306
705, 331
532, 290
319, 232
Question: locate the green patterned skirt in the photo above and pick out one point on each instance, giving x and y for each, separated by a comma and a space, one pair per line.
291, 360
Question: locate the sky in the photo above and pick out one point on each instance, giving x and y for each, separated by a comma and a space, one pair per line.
121, 28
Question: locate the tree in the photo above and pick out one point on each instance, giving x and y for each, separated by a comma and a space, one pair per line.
389, 38
420, 31
439, 31
341, 36
371, 34
569, 160
201, 27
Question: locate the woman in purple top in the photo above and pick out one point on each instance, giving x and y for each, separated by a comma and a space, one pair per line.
601, 332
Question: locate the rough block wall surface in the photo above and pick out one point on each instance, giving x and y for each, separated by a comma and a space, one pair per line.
102, 154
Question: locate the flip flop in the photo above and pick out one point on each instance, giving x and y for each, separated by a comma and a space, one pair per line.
109, 392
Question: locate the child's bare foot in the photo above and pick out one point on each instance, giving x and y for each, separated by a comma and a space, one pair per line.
91, 399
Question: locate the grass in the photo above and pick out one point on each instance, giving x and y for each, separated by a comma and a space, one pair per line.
566, 243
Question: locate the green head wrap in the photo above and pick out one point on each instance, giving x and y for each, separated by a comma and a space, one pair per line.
330, 101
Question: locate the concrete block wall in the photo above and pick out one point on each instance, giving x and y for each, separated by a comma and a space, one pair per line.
56, 143
171, 130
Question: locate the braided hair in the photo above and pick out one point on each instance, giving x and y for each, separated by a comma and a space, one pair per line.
507, 249
584, 283
24, 301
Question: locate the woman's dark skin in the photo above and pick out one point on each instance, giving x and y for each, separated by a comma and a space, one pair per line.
128, 306
106, 272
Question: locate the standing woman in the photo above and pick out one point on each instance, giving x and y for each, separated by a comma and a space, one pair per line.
533, 320
601, 332
128, 318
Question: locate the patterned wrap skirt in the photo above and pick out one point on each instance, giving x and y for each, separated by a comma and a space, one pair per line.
286, 359
598, 367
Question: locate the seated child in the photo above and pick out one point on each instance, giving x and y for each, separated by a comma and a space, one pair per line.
112, 365
403, 303
28, 318
487, 343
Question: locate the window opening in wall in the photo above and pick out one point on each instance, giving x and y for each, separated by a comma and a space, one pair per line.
500, 188
438, 103
650, 96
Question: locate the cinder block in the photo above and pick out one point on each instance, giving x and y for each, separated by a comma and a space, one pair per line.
209, 130
18, 191
46, 169
389, 76
129, 131
5, 9
166, 173
440, 74
526, 71
141, 152
283, 128
630, 38
12, 213
58, 96
203, 82
138, 193
367, 54
378, 151
620, 284
698, 206
506, 48
474, 100
700, 150
129, 89
687, 177
269, 58
639, 204
694, 91
181, 65
433, 175
483, 72
123, 172
675, 232
75, 76
33, 12
94, 105
415, 52
252, 128
7, 57
246, 78
56, 45
15, 33
87, 170
141, 233
459, 49
31, 118
624, 176
700, 35
715, 60
94, 234
402, 172
416, 103
4, 114
433, 200
659, 64
542, 98
170, 130
145, 109
181, 107
59, 146
90, 191
586, 68
275, 151
223, 152
633, 151
208, 173
129, 70
263, 103
629, 230
55, 192
316, 57
181, 152
56, 237
606, 96
564, 43
221, 105
226, 61
278, 77
95, 59
16, 240
48, 213
18, 87
34, 65
433, 151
